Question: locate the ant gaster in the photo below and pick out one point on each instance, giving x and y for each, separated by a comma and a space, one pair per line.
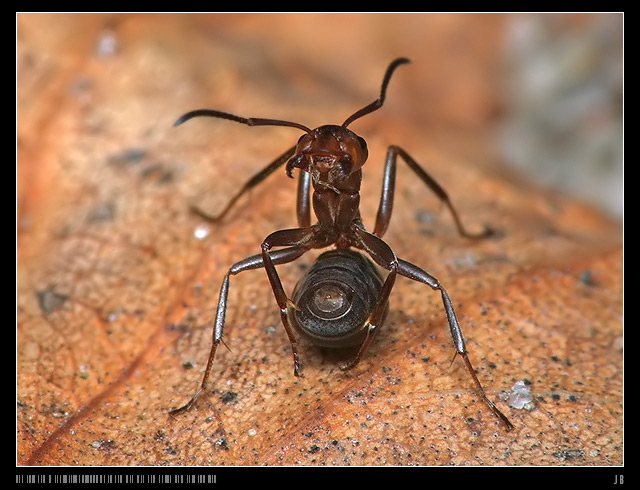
330, 158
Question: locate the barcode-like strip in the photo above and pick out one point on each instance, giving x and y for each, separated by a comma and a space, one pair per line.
115, 479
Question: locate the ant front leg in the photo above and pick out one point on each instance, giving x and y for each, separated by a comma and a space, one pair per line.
385, 207
303, 201
250, 184
417, 274
297, 238
382, 254
254, 262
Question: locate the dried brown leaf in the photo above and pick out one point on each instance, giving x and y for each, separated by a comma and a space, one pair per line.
116, 288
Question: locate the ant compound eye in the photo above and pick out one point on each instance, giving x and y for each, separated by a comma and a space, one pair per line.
363, 143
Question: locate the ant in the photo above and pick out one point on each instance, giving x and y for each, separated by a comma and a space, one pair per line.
330, 158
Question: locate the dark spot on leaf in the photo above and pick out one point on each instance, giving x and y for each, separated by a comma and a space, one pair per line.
587, 278
132, 156
158, 172
424, 217
179, 327
229, 396
102, 212
222, 442
50, 301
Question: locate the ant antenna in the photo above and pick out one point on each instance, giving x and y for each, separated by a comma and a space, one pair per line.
377, 104
249, 121
256, 121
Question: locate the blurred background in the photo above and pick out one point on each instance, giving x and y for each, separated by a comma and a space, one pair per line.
564, 104
547, 89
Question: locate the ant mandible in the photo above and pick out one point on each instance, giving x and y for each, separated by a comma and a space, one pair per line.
330, 159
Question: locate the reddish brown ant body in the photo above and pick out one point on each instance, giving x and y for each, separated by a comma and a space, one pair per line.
330, 158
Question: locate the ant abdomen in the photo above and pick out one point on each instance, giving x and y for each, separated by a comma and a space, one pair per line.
335, 297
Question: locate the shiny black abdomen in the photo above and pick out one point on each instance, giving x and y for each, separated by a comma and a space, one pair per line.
335, 297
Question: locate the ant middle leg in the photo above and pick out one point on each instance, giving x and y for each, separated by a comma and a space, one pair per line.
296, 238
384, 256
250, 184
385, 207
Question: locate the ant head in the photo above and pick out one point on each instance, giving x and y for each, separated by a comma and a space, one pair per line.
329, 149
336, 150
